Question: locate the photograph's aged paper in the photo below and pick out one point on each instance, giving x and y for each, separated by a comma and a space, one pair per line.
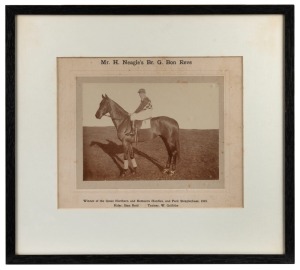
150, 132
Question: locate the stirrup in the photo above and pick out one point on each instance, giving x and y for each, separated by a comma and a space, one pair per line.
131, 133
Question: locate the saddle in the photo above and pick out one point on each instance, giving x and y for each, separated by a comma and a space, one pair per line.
142, 124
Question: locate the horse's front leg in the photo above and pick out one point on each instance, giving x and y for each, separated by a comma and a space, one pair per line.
125, 167
133, 161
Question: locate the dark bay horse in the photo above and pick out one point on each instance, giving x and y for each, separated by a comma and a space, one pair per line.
162, 126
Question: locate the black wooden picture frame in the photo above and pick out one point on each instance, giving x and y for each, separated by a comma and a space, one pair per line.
288, 160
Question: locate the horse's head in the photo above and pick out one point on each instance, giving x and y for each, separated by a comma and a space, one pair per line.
103, 107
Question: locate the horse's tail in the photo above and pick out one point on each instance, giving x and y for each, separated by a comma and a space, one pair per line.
177, 144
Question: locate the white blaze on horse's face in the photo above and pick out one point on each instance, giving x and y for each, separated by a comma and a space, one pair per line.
103, 108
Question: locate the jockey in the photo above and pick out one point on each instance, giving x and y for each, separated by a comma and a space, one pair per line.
144, 110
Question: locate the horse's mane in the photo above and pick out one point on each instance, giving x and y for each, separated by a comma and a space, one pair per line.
117, 107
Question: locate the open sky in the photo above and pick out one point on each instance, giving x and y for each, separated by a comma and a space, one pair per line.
193, 105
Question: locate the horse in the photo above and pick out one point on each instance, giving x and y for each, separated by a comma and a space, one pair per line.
165, 127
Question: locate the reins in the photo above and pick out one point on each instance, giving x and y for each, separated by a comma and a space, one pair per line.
114, 118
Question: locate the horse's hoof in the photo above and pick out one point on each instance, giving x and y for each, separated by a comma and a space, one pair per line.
171, 173
165, 171
133, 171
123, 173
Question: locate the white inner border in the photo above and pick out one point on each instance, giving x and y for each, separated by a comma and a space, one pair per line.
42, 229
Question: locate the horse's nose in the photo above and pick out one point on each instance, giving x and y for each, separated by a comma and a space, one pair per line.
96, 115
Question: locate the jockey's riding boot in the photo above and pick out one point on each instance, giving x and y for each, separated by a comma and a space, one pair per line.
132, 131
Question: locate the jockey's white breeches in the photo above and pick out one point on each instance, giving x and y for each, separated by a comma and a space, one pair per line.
145, 114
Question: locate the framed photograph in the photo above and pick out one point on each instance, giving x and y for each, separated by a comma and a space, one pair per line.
150, 134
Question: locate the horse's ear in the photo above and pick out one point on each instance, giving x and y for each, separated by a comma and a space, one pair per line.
106, 96
103, 96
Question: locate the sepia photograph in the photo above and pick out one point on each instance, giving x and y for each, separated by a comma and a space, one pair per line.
151, 128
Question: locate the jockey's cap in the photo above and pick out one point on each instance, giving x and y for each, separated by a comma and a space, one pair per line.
142, 91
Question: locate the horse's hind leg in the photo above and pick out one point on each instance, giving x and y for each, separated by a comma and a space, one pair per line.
174, 154
167, 167
173, 162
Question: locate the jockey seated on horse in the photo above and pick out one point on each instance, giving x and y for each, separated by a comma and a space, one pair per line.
144, 111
